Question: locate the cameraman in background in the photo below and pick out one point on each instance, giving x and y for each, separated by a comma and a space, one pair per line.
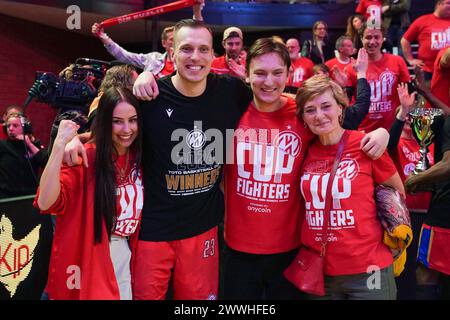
73, 88
71, 91
21, 157
9, 110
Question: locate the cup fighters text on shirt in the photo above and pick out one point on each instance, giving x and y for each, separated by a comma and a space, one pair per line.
440, 39
261, 167
313, 187
381, 93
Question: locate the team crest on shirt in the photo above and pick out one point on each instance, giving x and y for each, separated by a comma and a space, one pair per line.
289, 142
409, 168
196, 139
348, 169
387, 82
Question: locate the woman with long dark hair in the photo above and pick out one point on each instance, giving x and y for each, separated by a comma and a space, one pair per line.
98, 207
355, 25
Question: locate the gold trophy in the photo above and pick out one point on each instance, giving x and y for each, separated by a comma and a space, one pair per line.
421, 121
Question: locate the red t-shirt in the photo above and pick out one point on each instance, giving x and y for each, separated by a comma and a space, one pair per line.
73, 248
369, 8
440, 82
383, 77
355, 232
432, 34
130, 199
262, 207
220, 66
352, 81
405, 160
342, 66
302, 69
168, 69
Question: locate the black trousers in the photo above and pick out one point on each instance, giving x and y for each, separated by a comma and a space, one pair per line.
406, 282
258, 276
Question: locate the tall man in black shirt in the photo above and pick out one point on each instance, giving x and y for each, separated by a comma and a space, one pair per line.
184, 138
434, 251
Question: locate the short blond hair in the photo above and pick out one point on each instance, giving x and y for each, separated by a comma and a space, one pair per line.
315, 86
166, 31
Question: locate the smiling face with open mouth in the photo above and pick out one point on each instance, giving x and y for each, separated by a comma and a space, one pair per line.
372, 41
124, 126
193, 53
268, 75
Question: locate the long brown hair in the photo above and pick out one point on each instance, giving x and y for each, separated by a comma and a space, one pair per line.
351, 31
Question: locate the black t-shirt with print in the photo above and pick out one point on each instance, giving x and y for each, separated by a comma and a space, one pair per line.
183, 140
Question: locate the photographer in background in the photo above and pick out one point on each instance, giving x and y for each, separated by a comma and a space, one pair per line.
9, 110
21, 157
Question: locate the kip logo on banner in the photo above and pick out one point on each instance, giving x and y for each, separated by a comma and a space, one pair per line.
289, 142
196, 139
16, 255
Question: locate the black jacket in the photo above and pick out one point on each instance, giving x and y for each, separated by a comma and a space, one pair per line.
18, 177
311, 51
353, 115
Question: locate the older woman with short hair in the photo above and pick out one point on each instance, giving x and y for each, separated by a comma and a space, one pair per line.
355, 235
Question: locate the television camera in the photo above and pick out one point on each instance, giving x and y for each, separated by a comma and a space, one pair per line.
75, 88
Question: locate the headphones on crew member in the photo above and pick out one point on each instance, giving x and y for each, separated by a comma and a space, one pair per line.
26, 124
